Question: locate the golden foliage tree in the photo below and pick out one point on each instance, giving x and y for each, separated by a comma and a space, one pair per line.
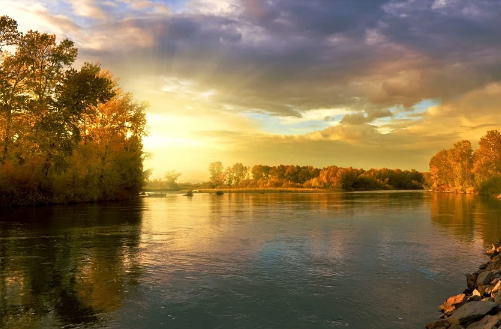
66, 134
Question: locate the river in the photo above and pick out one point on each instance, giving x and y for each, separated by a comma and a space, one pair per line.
274, 260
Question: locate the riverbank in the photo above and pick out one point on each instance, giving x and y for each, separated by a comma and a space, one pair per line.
268, 190
457, 190
479, 306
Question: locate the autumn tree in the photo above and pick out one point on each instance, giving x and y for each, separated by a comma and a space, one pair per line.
217, 175
238, 171
440, 170
260, 172
487, 158
461, 163
67, 134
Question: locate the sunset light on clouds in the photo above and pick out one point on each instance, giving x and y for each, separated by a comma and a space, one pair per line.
372, 83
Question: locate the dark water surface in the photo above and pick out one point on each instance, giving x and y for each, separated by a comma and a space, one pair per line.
359, 260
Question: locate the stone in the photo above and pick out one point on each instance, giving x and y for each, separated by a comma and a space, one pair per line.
449, 309
497, 286
494, 265
454, 300
493, 252
474, 298
488, 289
471, 311
437, 324
487, 322
497, 298
485, 278
471, 280
452, 303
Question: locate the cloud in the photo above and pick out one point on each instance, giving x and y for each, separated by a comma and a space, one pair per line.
88, 8
353, 70
286, 57
365, 117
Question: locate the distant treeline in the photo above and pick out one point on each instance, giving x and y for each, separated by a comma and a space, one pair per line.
66, 135
293, 176
460, 169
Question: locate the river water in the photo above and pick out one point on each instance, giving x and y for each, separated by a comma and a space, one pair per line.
275, 260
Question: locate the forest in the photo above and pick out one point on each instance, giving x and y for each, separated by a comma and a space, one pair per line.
460, 169
294, 176
66, 134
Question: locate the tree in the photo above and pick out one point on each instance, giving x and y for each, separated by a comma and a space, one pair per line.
441, 174
171, 178
8, 31
487, 158
238, 171
66, 134
461, 163
260, 172
216, 171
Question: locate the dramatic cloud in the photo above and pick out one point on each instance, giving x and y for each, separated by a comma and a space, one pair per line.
345, 75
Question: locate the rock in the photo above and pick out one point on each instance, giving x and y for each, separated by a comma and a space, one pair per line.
496, 287
471, 280
454, 300
485, 278
471, 311
479, 306
494, 265
487, 322
494, 251
437, 324
448, 310
488, 289
455, 326
452, 303
475, 298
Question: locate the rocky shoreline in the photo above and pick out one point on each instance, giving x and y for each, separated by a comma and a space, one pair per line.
479, 306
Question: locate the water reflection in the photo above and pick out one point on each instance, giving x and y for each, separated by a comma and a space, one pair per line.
63, 266
241, 260
468, 217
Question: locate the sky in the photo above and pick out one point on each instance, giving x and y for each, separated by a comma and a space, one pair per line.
361, 83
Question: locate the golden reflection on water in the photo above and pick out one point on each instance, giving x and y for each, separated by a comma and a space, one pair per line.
76, 266
468, 217
58, 268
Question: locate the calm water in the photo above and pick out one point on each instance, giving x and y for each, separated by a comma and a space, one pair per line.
362, 260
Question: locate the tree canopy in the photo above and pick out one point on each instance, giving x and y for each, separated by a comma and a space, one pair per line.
294, 176
67, 134
460, 168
